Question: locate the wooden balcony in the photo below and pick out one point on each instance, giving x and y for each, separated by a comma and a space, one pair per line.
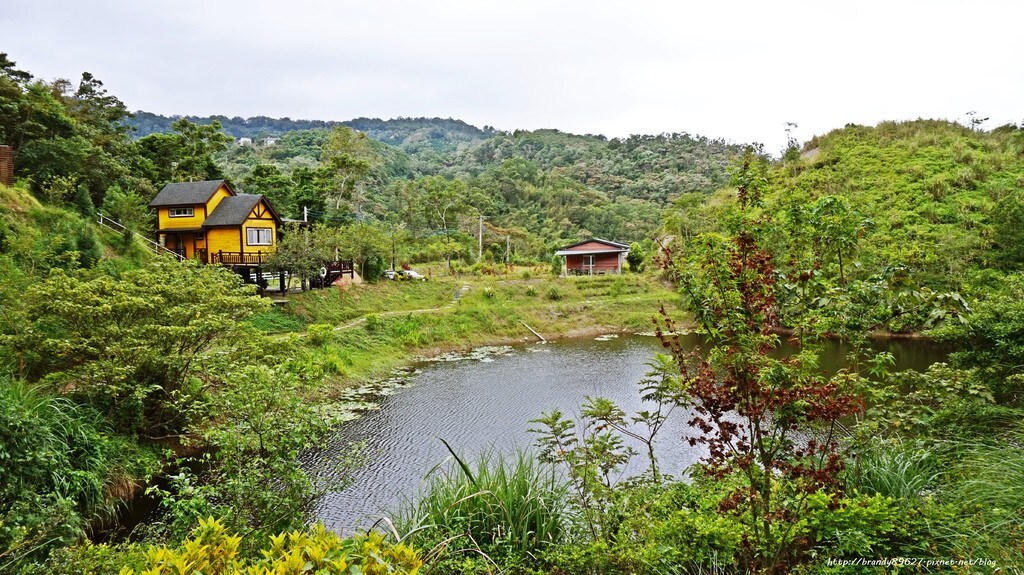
236, 258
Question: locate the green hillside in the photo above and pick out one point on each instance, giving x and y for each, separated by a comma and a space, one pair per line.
939, 198
936, 192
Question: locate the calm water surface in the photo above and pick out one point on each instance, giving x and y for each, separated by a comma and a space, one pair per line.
486, 401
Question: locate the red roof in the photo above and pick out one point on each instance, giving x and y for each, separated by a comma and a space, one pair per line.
593, 246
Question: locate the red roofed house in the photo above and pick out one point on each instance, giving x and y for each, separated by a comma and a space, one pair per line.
593, 256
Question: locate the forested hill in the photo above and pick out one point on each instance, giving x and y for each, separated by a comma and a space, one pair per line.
940, 200
650, 167
410, 134
551, 185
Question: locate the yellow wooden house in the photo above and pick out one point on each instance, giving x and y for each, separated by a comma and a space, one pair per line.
210, 222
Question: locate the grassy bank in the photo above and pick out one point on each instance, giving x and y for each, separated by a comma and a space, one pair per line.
375, 327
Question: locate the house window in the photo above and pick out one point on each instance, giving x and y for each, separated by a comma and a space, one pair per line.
259, 236
588, 261
181, 212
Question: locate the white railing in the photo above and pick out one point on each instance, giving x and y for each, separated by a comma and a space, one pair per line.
156, 248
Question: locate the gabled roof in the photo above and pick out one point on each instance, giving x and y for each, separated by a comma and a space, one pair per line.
612, 247
234, 210
188, 193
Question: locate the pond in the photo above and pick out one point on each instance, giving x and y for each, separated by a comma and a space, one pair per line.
485, 400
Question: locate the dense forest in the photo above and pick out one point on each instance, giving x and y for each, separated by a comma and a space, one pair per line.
117, 367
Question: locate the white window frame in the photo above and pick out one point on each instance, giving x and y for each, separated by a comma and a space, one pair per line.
181, 212
256, 233
588, 258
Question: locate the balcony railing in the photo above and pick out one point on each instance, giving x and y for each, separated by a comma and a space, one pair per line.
240, 258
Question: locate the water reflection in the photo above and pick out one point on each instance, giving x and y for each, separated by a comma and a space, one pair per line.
486, 401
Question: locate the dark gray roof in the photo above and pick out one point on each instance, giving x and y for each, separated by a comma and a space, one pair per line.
232, 211
186, 193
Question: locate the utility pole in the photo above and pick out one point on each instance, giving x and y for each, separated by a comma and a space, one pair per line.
480, 240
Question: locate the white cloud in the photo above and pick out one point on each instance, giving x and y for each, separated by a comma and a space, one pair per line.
737, 70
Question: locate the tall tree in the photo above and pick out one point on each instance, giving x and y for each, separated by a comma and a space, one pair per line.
267, 179
443, 202
347, 158
367, 245
186, 155
837, 229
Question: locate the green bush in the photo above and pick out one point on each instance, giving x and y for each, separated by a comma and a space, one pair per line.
253, 479
556, 266
212, 550
320, 333
674, 527
554, 294
374, 323
102, 559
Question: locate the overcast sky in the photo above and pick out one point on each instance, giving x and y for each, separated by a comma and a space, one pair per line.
737, 70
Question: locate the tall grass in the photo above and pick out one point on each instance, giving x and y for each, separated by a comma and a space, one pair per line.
987, 489
502, 505
60, 470
903, 472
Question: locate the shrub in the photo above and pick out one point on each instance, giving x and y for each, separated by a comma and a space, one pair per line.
253, 479
101, 559
125, 354
374, 323
556, 266
554, 294
636, 256
212, 550
320, 333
